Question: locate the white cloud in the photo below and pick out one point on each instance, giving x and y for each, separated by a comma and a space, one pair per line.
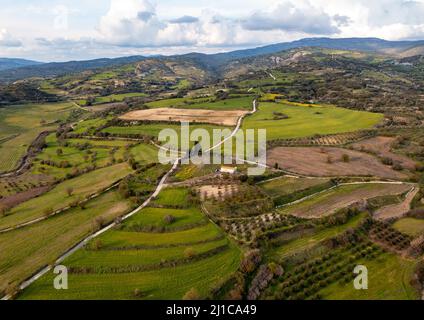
7, 40
392, 12
121, 27
295, 16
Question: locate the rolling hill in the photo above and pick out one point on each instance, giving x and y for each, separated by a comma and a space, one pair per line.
8, 63
214, 62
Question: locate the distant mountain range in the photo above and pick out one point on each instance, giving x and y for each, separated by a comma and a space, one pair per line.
7, 63
16, 69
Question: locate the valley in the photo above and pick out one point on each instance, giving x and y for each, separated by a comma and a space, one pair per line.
81, 184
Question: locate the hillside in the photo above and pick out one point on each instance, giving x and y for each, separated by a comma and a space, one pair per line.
8, 63
214, 62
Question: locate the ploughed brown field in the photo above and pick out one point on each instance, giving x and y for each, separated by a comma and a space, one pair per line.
381, 146
328, 162
224, 118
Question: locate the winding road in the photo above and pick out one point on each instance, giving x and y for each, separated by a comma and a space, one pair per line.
160, 186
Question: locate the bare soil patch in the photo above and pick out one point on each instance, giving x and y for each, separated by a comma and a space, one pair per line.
16, 199
330, 162
382, 147
225, 118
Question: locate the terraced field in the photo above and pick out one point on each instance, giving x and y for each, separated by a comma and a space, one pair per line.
328, 202
25, 251
312, 239
59, 197
20, 125
149, 256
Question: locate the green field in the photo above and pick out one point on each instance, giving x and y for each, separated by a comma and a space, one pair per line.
24, 251
329, 199
389, 279
286, 185
157, 265
153, 130
88, 126
307, 121
20, 125
76, 159
58, 198
145, 153
81, 154
239, 103
155, 217
172, 197
410, 226
167, 283
309, 241
118, 97
192, 171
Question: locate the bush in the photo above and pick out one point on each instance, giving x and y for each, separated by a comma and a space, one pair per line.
387, 161
169, 219
397, 167
345, 158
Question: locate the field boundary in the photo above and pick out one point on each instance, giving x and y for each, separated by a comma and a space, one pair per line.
83, 242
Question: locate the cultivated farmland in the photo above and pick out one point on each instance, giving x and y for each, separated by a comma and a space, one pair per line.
225, 118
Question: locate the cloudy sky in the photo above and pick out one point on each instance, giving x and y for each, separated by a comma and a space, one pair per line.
59, 30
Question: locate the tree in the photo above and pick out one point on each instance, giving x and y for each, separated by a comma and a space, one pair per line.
169, 219
345, 158
59, 152
69, 191
3, 210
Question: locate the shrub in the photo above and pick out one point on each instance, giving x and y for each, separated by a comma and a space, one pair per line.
3, 210
397, 167
345, 158
98, 244
169, 219
387, 161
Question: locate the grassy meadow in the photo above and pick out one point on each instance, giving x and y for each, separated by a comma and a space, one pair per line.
305, 121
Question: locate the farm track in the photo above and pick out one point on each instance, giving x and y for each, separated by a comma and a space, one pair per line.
158, 189
163, 184
398, 210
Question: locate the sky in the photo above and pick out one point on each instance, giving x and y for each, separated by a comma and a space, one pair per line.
62, 30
